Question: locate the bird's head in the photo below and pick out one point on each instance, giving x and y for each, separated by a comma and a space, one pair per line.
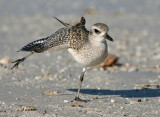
99, 32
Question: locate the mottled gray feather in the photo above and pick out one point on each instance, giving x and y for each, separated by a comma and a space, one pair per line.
68, 37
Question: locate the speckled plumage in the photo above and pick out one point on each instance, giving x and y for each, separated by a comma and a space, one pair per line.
89, 48
67, 37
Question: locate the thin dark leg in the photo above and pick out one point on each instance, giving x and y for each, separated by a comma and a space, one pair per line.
80, 85
17, 62
81, 79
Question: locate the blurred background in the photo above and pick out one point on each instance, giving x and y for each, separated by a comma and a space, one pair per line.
134, 25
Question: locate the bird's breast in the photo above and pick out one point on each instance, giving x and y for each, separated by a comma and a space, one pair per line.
90, 54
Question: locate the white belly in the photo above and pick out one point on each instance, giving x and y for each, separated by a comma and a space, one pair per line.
90, 55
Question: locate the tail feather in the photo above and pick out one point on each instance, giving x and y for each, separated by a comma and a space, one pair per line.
36, 46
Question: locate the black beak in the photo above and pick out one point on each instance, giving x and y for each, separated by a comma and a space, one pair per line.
109, 38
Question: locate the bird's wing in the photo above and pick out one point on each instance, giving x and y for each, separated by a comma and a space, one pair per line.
78, 35
55, 41
68, 37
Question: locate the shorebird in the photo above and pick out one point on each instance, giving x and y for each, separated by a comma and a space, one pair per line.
88, 48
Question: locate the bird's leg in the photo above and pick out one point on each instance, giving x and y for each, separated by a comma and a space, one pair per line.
17, 62
80, 85
81, 79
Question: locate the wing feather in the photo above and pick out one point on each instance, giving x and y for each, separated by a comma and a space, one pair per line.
55, 41
67, 37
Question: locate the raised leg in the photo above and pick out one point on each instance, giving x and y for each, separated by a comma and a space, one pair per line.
81, 79
17, 62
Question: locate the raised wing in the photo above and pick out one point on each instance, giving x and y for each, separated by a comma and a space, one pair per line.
69, 37
57, 40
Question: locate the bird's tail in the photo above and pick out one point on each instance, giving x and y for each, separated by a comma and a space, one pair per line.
36, 46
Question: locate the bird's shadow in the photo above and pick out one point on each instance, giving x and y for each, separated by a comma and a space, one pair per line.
131, 93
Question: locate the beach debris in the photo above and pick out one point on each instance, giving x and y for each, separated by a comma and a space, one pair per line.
51, 92
75, 105
65, 101
94, 98
112, 101
5, 61
44, 112
29, 100
110, 61
148, 86
26, 108
135, 101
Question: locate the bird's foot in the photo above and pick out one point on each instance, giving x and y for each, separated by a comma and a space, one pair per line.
17, 62
80, 100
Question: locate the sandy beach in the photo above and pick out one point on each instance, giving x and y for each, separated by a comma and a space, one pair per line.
45, 84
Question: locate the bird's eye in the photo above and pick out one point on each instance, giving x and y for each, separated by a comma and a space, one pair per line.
97, 31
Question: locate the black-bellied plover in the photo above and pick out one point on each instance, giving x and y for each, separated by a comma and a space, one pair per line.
89, 48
